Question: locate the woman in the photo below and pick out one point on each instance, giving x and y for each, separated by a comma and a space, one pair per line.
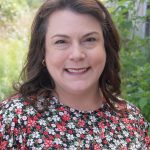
69, 98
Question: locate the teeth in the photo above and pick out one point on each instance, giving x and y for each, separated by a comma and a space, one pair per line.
77, 70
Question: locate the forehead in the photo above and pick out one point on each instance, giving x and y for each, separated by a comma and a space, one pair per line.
67, 21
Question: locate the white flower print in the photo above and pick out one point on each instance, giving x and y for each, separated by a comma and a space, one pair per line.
30, 142
112, 147
56, 118
126, 133
95, 130
42, 122
113, 126
51, 131
70, 136
131, 117
30, 111
87, 145
122, 125
93, 119
89, 122
35, 134
53, 128
109, 138
24, 118
120, 136
97, 139
71, 125
61, 113
57, 141
40, 141
11, 141
72, 147
53, 125
18, 104
20, 139
108, 113
89, 137
81, 131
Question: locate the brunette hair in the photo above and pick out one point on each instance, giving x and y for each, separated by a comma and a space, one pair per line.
36, 78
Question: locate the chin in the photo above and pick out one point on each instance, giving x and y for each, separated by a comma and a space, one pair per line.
78, 89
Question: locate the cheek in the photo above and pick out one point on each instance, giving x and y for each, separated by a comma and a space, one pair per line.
54, 60
99, 59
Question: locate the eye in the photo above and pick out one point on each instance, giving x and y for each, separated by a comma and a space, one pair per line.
90, 39
60, 42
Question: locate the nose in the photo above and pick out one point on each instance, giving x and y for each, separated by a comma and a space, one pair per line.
77, 53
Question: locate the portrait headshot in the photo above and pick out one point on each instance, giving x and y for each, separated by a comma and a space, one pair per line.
69, 96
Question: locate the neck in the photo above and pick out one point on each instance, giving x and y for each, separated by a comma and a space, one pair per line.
86, 101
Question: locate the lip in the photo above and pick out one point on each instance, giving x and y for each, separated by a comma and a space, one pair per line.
77, 71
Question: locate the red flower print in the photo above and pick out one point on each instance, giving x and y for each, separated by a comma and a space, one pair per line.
129, 127
3, 145
101, 125
142, 121
105, 142
125, 120
61, 108
57, 146
51, 137
38, 127
61, 128
96, 147
24, 130
81, 123
23, 147
100, 114
128, 140
102, 135
70, 131
112, 131
29, 130
122, 148
38, 115
16, 132
118, 128
66, 117
35, 118
15, 120
115, 121
147, 139
45, 133
48, 143
82, 136
90, 132
31, 122
18, 111
58, 136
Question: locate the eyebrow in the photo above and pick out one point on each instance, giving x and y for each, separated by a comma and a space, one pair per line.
66, 36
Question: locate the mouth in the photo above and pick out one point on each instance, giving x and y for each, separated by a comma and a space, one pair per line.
77, 71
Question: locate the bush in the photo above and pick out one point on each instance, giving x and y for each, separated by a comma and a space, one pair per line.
135, 54
12, 55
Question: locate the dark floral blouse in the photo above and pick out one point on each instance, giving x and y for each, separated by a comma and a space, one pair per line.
64, 128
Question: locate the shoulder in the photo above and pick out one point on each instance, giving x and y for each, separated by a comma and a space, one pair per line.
12, 104
136, 119
14, 108
134, 113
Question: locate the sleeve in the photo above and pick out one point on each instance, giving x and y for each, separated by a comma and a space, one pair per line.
10, 132
142, 126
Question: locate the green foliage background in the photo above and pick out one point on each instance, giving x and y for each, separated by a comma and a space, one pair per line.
16, 17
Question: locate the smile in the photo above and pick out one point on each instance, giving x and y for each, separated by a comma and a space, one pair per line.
77, 70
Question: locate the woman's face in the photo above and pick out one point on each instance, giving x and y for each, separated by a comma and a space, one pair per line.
75, 54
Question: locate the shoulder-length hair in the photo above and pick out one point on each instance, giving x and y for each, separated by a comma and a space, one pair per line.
36, 78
